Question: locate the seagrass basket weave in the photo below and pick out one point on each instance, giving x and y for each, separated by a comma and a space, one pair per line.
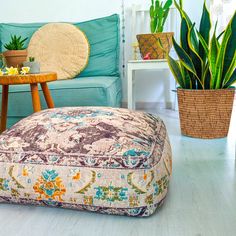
148, 43
205, 113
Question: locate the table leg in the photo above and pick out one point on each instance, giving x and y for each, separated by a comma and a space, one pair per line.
5, 89
35, 97
47, 95
131, 102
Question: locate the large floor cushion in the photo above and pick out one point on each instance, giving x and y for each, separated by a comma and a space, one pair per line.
107, 160
84, 91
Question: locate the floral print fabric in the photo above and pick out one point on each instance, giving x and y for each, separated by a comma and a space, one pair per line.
108, 160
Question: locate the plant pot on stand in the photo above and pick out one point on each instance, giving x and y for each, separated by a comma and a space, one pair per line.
157, 44
149, 44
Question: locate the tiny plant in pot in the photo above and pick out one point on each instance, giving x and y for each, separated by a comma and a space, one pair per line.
148, 43
34, 65
16, 52
205, 71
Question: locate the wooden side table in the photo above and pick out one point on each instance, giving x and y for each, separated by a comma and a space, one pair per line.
33, 80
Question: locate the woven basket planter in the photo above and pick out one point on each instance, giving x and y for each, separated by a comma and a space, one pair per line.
148, 43
205, 113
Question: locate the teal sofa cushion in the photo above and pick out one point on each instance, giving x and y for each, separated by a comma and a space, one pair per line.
85, 91
103, 35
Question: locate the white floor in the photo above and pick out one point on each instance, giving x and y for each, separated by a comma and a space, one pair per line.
201, 200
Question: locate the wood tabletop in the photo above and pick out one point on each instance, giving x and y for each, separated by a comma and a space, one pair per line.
28, 78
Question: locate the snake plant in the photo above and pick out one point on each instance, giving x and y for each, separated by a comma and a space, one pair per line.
158, 13
205, 61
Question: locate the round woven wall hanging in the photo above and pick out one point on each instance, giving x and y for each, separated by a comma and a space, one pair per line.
61, 48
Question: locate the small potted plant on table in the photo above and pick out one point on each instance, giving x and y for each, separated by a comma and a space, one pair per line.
33, 65
205, 72
149, 43
16, 53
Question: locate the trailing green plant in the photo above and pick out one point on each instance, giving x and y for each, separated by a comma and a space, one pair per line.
31, 59
205, 62
158, 13
16, 43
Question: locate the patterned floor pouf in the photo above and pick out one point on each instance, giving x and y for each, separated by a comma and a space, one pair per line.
107, 160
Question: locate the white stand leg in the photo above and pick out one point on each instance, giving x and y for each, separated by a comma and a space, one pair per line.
131, 104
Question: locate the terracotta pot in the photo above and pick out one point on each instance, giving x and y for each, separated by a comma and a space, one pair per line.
205, 113
148, 43
15, 58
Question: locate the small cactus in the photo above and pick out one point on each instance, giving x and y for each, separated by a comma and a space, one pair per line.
31, 59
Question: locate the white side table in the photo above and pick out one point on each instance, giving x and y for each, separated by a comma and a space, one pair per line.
141, 65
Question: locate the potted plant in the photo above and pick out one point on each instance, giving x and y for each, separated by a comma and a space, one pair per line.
33, 65
205, 71
148, 43
16, 53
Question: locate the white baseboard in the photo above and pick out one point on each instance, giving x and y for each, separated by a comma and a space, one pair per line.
151, 105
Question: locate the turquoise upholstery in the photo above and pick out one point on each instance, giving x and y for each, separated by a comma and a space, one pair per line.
103, 35
98, 85
84, 91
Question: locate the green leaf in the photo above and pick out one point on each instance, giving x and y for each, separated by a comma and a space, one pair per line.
184, 35
231, 81
203, 43
168, 4
176, 71
221, 57
160, 18
184, 57
205, 27
186, 61
212, 58
190, 81
230, 71
231, 46
183, 13
196, 59
207, 77
165, 15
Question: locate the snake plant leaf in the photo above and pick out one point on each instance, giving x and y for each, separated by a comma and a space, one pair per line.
196, 59
176, 71
221, 57
186, 61
184, 35
206, 77
231, 69
183, 13
204, 30
231, 81
184, 57
190, 80
212, 59
219, 36
203, 43
230, 48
